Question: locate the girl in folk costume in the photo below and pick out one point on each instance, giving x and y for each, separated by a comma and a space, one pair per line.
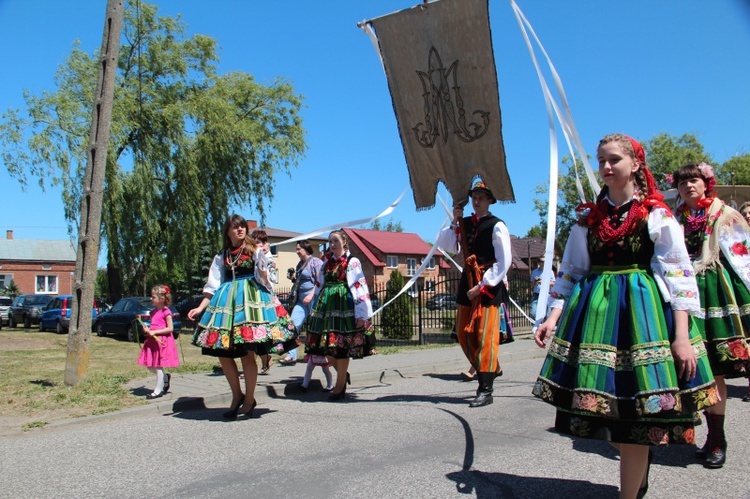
339, 326
240, 313
159, 349
625, 365
717, 236
485, 242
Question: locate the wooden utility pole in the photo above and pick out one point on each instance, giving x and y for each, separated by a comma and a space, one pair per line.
91, 201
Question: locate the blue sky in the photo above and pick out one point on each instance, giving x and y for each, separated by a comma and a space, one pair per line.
640, 67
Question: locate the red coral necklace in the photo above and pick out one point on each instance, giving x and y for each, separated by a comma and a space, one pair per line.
607, 234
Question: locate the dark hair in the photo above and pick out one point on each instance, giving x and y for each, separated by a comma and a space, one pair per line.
238, 221
687, 172
260, 236
343, 236
305, 245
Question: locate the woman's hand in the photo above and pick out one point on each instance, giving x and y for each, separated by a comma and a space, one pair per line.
146, 330
194, 312
308, 298
542, 332
684, 358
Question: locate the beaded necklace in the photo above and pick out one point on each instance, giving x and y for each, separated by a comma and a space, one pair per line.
604, 230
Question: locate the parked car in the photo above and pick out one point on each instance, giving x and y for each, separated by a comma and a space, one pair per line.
441, 301
5, 302
27, 309
56, 315
186, 305
126, 316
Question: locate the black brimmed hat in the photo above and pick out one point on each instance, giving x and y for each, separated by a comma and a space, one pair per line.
479, 186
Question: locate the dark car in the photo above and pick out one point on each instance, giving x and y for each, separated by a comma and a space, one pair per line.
186, 305
441, 301
27, 309
127, 316
56, 315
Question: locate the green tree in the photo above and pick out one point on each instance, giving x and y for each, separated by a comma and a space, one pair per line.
186, 145
397, 320
734, 171
391, 226
666, 153
536, 231
11, 290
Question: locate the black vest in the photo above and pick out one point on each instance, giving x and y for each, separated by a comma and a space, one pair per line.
479, 243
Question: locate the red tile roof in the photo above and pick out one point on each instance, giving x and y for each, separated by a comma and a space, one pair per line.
389, 243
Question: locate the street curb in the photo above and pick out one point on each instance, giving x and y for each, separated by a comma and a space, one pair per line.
273, 389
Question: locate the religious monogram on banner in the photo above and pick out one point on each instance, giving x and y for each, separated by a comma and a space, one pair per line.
448, 117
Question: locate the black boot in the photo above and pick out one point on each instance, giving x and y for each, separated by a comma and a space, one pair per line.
484, 392
717, 453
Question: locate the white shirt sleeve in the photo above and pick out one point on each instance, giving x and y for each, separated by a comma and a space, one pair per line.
448, 241
215, 276
733, 241
355, 278
673, 271
503, 258
575, 264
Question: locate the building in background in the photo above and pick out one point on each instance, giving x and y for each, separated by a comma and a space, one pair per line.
37, 265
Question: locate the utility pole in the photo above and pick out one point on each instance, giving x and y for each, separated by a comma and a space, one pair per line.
77, 363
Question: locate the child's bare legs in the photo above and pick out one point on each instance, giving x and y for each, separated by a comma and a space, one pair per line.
159, 372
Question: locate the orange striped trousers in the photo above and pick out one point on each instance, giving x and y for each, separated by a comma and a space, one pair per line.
481, 345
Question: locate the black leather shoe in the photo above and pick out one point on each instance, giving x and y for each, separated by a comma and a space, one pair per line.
483, 398
702, 452
167, 380
716, 458
335, 397
155, 395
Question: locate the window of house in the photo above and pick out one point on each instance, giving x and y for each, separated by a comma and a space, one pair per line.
411, 266
275, 250
431, 263
429, 286
391, 261
46, 284
5, 280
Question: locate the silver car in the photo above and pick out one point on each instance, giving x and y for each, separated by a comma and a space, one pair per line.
5, 302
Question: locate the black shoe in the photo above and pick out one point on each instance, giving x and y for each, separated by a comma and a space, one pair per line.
483, 398
155, 395
746, 398
642, 491
717, 457
302, 388
334, 397
231, 414
167, 379
348, 379
702, 452
249, 412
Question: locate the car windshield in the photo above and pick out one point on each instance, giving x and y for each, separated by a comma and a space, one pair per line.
38, 300
5, 302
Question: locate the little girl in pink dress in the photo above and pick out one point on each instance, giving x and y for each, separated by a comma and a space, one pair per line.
159, 349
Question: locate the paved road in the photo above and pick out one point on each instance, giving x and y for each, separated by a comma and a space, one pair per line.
411, 436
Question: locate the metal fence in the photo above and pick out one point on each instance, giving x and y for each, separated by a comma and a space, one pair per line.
433, 312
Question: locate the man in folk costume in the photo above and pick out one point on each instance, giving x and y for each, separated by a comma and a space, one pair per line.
485, 243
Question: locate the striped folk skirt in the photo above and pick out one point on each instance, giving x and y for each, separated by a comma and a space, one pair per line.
726, 303
242, 317
331, 330
609, 370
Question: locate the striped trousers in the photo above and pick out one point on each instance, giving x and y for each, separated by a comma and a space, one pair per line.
481, 345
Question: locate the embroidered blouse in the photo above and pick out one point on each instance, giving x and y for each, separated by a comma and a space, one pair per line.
670, 263
220, 270
355, 280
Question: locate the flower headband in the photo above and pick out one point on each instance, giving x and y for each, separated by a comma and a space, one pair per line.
706, 170
166, 290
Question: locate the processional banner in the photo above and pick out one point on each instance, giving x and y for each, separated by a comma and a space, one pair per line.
441, 74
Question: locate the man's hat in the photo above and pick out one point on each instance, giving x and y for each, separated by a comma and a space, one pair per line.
479, 186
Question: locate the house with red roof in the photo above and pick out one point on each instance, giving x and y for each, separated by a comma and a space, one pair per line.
383, 252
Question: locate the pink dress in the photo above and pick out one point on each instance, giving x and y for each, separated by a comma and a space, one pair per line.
153, 353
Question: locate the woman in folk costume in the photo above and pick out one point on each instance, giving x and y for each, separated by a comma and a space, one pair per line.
339, 326
240, 313
717, 236
485, 242
624, 365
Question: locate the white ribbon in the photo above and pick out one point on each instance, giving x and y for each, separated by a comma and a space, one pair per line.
350, 223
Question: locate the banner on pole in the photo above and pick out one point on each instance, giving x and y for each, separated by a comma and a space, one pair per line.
440, 67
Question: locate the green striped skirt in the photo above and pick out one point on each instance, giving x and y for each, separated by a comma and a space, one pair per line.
609, 370
331, 329
726, 302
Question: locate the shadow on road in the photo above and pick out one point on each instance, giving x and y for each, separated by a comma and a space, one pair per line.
495, 485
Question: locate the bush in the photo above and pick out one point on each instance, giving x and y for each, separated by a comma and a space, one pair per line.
396, 322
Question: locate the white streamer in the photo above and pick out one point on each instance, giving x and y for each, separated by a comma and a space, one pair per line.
329, 228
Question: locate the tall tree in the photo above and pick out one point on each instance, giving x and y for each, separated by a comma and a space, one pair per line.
735, 171
186, 144
390, 226
666, 153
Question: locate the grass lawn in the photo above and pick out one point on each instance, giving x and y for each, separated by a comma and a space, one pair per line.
32, 374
